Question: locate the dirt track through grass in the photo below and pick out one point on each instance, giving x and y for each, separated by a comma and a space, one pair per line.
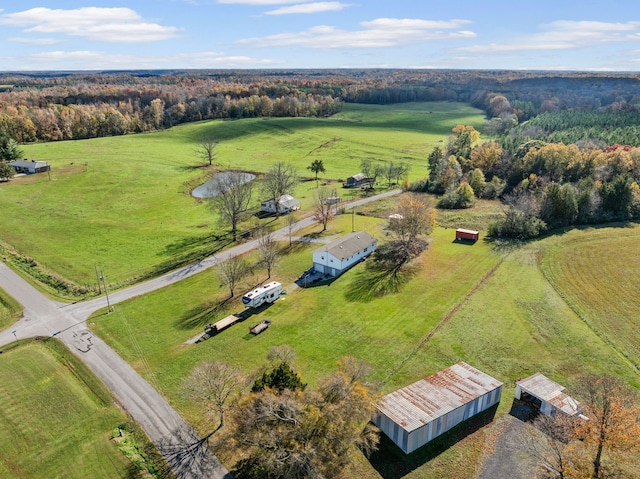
445, 319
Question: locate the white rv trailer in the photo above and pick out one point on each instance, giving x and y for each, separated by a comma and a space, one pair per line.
266, 293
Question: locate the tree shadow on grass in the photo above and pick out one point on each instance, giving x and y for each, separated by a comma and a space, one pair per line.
201, 315
189, 457
188, 251
392, 463
376, 281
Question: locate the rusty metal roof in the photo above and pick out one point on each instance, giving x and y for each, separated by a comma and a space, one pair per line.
543, 388
423, 401
348, 245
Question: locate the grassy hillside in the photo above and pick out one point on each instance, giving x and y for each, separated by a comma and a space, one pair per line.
124, 203
51, 423
10, 310
490, 305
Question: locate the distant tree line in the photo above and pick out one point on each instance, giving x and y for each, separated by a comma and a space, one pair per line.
56, 106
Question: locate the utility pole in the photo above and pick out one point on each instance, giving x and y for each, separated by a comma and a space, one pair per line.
106, 293
98, 276
353, 219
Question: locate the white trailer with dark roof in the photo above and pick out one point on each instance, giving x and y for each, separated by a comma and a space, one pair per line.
266, 293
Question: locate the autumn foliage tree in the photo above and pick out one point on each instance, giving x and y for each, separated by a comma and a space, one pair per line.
301, 434
596, 445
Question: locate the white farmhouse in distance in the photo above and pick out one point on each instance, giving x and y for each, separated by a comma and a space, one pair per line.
286, 204
339, 255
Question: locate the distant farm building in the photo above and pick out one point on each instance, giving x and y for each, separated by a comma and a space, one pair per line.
546, 395
466, 235
286, 204
30, 167
416, 414
339, 255
357, 181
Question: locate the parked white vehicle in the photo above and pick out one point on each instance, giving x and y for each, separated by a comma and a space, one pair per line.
267, 293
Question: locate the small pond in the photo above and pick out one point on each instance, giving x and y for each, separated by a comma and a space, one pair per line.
209, 189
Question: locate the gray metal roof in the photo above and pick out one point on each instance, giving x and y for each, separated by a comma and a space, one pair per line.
28, 164
423, 401
348, 245
543, 388
359, 177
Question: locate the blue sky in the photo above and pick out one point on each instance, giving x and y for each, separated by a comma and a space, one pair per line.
459, 34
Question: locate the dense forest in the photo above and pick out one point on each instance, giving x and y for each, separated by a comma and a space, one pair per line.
60, 106
564, 149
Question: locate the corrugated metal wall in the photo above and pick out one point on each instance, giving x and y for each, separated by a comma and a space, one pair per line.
409, 442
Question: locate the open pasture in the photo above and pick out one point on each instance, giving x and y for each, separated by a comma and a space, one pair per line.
55, 420
595, 270
488, 304
124, 203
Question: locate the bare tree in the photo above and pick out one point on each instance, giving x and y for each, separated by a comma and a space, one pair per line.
231, 272
323, 208
292, 219
211, 384
547, 441
371, 170
234, 197
283, 353
279, 180
268, 247
206, 148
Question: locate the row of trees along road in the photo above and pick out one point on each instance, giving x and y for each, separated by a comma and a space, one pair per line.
282, 428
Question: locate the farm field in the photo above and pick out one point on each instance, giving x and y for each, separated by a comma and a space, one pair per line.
488, 304
124, 203
52, 421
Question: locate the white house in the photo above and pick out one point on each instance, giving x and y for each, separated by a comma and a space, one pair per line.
339, 255
547, 395
416, 414
286, 204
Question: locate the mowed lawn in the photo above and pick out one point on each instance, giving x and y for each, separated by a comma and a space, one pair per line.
124, 203
51, 423
490, 305
10, 310
595, 270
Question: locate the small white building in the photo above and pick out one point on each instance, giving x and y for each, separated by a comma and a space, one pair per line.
339, 255
547, 395
416, 414
286, 204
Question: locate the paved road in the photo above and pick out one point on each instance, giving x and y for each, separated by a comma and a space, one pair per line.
177, 441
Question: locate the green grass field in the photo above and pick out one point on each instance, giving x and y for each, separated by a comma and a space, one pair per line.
490, 305
10, 310
124, 203
51, 423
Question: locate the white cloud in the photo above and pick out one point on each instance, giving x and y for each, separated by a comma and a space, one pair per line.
99, 60
261, 2
315, 7
34, 41
565, 35
382, 32
93, 23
